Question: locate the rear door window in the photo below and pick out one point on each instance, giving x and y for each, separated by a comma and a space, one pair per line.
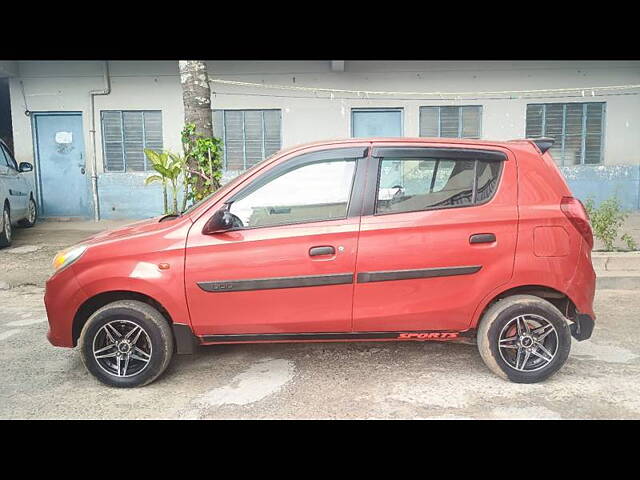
414, 184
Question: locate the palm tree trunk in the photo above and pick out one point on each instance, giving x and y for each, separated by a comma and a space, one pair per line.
174, 186
185, 191
196, 97
164, 196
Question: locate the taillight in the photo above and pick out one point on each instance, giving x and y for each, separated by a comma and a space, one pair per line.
578, 216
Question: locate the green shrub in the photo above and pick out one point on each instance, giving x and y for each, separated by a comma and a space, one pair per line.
606, 221
631, 243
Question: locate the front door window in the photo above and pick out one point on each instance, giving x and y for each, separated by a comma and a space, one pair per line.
310, 193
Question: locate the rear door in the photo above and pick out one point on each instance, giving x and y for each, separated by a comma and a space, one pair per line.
438, 233
289, 265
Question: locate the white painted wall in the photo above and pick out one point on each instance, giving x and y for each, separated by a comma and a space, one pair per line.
64, 86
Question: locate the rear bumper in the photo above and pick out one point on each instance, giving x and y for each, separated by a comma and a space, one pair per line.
582, 286
582, 326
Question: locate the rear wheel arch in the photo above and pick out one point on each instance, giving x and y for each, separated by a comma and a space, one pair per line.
557, 298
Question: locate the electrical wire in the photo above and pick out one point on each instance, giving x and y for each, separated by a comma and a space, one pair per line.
479, 94
416, 99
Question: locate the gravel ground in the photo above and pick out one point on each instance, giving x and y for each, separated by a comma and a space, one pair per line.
390, 380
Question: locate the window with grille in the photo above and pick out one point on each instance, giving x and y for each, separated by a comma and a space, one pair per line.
125, 135
578, 130
451, 121
249, 136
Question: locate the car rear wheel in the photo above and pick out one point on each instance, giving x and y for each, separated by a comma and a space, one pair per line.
32, 215
5, 228
524, 339
126, 344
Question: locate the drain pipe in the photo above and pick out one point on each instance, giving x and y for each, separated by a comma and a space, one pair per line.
92, 131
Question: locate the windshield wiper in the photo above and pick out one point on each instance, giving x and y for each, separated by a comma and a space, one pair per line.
167, 217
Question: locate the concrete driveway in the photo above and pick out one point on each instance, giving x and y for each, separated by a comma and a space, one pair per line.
359, 380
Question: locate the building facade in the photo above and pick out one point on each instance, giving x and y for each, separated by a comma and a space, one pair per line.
67, 117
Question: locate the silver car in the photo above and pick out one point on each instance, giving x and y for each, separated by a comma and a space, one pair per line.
17, 196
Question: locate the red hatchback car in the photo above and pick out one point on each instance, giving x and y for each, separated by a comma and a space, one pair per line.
350, 240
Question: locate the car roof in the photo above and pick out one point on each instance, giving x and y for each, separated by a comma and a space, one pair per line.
427, 140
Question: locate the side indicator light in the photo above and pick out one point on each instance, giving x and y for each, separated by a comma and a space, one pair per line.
164, 266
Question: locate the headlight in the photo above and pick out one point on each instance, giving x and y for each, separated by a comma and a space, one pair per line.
67, 257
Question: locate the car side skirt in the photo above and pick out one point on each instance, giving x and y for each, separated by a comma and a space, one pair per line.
421, 336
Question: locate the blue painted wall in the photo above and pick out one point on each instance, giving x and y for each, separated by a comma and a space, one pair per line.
601, 182
124, 196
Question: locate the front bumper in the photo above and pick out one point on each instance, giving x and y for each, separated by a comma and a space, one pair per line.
63, 297
582, 326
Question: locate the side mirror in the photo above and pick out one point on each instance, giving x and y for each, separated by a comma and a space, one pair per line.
221, 221
25, 167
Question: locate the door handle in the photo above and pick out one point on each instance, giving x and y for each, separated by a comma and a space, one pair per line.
482, 238
315, 251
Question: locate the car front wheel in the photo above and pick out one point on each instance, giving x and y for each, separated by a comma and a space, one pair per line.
5, 228
126, 344
524, 339
32, 215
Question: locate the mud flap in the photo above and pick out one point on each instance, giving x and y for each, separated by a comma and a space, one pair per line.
582, 327
185, 340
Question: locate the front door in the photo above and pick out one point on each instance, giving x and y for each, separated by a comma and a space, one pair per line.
438, 233
289, 263
61, 164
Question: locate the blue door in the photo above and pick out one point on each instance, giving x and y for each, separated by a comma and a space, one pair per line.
376, 122
61, 164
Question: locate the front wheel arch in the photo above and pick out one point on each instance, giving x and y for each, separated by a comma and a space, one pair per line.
98, 301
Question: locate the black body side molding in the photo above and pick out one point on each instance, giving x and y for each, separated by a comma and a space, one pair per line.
223, 286
276, 282
366, 277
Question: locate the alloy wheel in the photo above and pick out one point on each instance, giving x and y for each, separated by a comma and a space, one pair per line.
528, 343
32, 211
122, 348
6, 224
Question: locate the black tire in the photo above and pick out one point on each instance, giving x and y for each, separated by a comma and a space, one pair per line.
6, 230
32, 215
156, 338
500, 320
